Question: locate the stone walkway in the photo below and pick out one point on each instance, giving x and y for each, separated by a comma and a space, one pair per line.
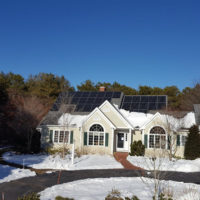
122, 158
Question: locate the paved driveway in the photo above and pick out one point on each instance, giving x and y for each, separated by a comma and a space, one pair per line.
19, 187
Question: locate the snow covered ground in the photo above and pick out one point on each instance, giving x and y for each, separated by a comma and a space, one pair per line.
8, 173
90, 189
166, 165
43, 161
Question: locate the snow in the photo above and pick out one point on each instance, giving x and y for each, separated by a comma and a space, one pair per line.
98, 189
137, 119
8, 173
68, 119
44, 161
163, 164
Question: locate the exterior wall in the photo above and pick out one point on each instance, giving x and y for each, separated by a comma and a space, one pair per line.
97, 119
137, 135
45, 137
113, 116
179, 150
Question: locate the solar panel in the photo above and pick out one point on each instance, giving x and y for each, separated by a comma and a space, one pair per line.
87, 101
116, 95
144, 103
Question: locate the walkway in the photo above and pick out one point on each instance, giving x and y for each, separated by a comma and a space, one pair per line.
122, 158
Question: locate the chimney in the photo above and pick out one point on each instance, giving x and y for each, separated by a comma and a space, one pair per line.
102, 89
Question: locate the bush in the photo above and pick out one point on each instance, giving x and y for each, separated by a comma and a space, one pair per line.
192, 145
116, 195
137, 148
63, 198
59, 151
30, 196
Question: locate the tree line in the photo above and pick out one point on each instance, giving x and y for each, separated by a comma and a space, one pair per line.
23, 103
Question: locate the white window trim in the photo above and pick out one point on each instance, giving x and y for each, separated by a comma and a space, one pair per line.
148, 137
95, 132
59, 137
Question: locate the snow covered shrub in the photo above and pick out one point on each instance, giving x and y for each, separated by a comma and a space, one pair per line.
133, 198
137, 148
62, 198
192, 145
30, 196
114, 195
163, 196
190, 193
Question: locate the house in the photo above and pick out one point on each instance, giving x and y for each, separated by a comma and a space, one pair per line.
108, 129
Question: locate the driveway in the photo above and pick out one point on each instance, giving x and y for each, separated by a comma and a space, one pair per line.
38, 183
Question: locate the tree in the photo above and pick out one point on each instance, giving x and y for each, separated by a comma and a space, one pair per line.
145, 90
192, 146
173, 94
26, 114
88, 85
189, 97
173, 125
47, 86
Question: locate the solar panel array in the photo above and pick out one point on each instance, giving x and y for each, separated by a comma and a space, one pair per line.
88, 101
144, 103
85, 101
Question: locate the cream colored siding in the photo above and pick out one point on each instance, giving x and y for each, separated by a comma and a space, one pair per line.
112, 114
96, 118
137, 135
45, 139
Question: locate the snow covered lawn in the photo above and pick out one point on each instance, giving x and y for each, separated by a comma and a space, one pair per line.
8, 173
90, 189
43, 161
166, 165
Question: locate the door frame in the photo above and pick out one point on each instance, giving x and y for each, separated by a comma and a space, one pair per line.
125, 137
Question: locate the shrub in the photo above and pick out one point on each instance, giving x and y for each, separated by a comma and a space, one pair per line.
137, 148
30, 196
59, 151
63, 198
133, 198
116, 195
192, 146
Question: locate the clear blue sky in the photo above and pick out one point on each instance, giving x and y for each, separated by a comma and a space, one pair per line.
134, 42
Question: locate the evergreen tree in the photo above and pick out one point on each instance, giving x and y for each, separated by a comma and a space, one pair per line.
192, 146
88, 85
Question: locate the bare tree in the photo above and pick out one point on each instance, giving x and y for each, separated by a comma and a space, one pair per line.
28, 111
173, 125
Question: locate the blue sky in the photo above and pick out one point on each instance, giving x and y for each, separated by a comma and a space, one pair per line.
133, 42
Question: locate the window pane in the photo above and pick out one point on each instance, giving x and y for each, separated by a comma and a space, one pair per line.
90, 138
151, 141
96, 138
157, 142
184, 139
61, 136
101, 140
66, 138
56, 136
163, 142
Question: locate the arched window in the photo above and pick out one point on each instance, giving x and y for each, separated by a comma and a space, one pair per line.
157, 138
96, 127
96, 135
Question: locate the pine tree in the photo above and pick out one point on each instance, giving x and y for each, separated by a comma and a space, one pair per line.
192, 146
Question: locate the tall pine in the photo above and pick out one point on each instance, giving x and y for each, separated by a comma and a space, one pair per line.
192, 146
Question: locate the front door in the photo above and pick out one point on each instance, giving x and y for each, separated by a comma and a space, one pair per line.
122, 142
